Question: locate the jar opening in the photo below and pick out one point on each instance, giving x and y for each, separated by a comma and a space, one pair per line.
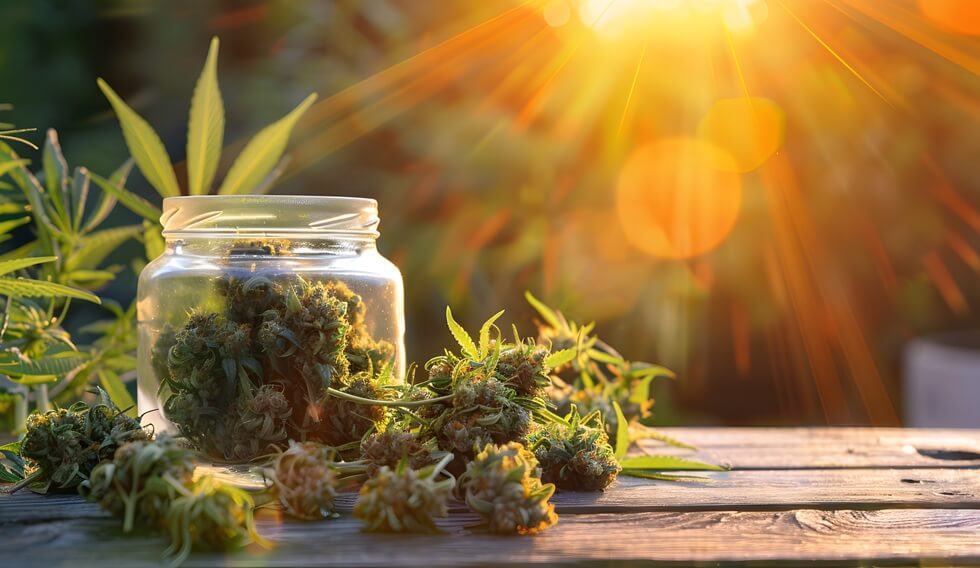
309, 216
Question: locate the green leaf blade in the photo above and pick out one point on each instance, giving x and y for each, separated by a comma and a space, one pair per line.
8, 266
485, 334
28, 288
460, 335
622, 433
544, 311
36, 370
144, 144
667, 463
206, 126
133, 202
561, 357
117, 392
262, 153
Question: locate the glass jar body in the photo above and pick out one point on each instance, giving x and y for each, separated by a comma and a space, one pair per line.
241, 335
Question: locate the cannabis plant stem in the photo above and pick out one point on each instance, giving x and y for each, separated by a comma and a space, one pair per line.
42, 402
25, 482
6, 317
398, 403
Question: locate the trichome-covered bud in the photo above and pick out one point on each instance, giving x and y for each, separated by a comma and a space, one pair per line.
63, 446
259, 422
403, 499
141, 481
304, 480
390, 447
210, 516
344, 421
502, 487
523, 368
576, 456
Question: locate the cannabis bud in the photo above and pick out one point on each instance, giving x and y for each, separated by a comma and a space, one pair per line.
404, 499
484, 410
63, 446
141, 481
577, 455
210, 516
390, 447
501, 486
258, 423
304, 480
523, 368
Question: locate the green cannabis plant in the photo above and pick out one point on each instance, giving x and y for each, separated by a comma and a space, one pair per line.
255, 170
58, 214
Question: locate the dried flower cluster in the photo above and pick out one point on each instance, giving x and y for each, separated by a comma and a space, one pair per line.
501, 485
403, 499
153, 483
303, 481
211, 516
240, 383
390, 447
597, 375
576, 455
490, 393
141, 481
63, 446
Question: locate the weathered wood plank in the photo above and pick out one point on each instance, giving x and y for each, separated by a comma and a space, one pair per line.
734, 490
795, 448
780, 538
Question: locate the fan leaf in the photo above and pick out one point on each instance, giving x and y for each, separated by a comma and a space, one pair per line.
8, 266
262, 153
205, 129
463, 338
544, 311
133, 202
667, 463
144, 144
27, 288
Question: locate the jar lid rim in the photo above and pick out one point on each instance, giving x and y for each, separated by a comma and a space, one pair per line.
291, 199
310, 215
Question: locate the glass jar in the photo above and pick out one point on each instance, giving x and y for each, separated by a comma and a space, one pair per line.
257, 307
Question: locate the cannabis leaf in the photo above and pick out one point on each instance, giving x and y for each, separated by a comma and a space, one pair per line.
463, 338
144, 143
133, 202
30, 288
256, 168
549, 315
262, 153
664, 463
561, 357
43, 370
205, 129
622, 432
485, 334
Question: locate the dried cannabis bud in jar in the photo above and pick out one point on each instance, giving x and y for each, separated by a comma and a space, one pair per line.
239, 383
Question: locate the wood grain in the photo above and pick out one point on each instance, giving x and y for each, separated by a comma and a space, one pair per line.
843, 537
830, 496
756, 490
798, 448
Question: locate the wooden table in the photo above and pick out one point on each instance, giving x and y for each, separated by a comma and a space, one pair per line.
793, 496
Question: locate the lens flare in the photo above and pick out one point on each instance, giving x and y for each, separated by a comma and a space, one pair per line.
749, 130
673, 199
960, 16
